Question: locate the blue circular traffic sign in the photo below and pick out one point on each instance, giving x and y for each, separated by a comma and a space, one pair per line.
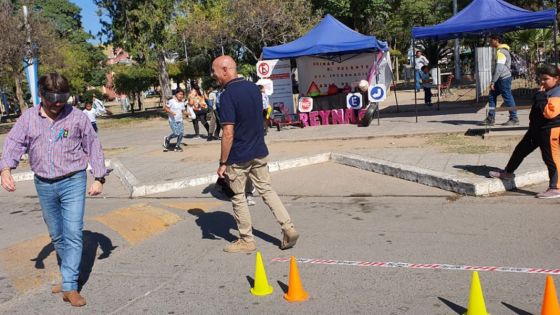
377, 93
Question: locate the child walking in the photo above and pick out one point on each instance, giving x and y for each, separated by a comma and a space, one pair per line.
175, 108
426, 85
543, 133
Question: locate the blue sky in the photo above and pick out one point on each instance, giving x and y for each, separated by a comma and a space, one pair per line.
90, 20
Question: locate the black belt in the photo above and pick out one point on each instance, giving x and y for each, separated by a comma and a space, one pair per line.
59, 178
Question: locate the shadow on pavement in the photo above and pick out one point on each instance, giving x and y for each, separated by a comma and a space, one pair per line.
516, 310
251, 281
455, 307
480, 170
92, 241
457, 122
283, 286
218, 224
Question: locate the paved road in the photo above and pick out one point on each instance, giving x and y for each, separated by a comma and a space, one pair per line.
170, 261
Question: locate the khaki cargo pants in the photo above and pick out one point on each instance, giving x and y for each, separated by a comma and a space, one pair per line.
257, 171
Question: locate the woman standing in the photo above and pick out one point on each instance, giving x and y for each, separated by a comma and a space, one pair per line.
196, 101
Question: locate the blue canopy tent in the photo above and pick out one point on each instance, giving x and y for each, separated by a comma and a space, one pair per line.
486, 17
483, 18
328, 38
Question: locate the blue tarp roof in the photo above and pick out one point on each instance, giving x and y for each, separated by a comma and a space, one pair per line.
483, 17
326, 38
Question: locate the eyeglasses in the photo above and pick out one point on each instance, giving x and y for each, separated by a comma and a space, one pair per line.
52, 97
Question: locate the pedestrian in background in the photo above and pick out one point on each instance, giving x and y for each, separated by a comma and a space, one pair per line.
420, 62
175, 109
196, 101
501, 83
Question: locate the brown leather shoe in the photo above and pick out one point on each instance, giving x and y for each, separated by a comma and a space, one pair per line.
56, 288
74, 298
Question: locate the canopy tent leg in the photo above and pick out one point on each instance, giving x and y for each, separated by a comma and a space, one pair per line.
555, 34
438, 82
395, 85
415, 77
396, 99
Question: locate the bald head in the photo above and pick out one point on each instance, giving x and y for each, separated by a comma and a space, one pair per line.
224, 69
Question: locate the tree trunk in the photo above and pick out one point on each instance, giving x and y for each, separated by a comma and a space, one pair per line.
163, 78
19, 92
138, 97
131, 105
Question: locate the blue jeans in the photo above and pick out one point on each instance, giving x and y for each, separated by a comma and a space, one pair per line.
503, 87
63, 204
418, 79
177, 131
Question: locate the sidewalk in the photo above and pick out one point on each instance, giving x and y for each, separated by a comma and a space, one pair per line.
434, 143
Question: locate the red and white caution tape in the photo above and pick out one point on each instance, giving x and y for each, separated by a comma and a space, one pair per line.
419, 266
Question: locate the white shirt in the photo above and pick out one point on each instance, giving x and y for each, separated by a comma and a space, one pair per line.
420, 62
91, 114
177, 108
265, 101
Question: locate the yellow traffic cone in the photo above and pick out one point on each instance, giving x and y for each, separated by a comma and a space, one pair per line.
261, 286
476, 300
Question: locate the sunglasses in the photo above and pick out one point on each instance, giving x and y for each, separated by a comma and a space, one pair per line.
52, 97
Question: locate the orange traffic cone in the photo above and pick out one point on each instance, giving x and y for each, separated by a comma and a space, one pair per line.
296, 293
550, 301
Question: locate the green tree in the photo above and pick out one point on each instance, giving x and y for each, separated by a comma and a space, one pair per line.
244, 26
143, 28
132, 80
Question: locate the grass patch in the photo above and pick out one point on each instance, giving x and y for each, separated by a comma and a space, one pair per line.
460, 144
125, 121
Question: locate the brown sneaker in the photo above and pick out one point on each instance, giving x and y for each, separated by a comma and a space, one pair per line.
57, 288
289, 239
240, 246
74, 298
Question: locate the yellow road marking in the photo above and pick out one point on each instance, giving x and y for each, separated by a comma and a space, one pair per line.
205, 206
22, 272
138, 222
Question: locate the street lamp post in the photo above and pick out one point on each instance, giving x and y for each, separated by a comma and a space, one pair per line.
30, 62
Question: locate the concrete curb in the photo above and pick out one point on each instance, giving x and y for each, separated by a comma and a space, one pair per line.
28, 175
23, 176
455, 183
126, 177
407, 172
458, 184
155, 188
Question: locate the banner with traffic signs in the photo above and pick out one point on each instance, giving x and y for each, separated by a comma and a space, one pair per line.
278, 71
377, 93
354, 100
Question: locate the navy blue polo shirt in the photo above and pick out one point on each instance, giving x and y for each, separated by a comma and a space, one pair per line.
241, 105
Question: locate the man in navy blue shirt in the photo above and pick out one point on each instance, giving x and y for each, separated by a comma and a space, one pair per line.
244, 154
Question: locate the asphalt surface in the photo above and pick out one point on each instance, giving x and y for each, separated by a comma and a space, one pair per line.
153, 256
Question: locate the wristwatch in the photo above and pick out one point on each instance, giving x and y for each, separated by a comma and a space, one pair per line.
100, 179
222, 163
